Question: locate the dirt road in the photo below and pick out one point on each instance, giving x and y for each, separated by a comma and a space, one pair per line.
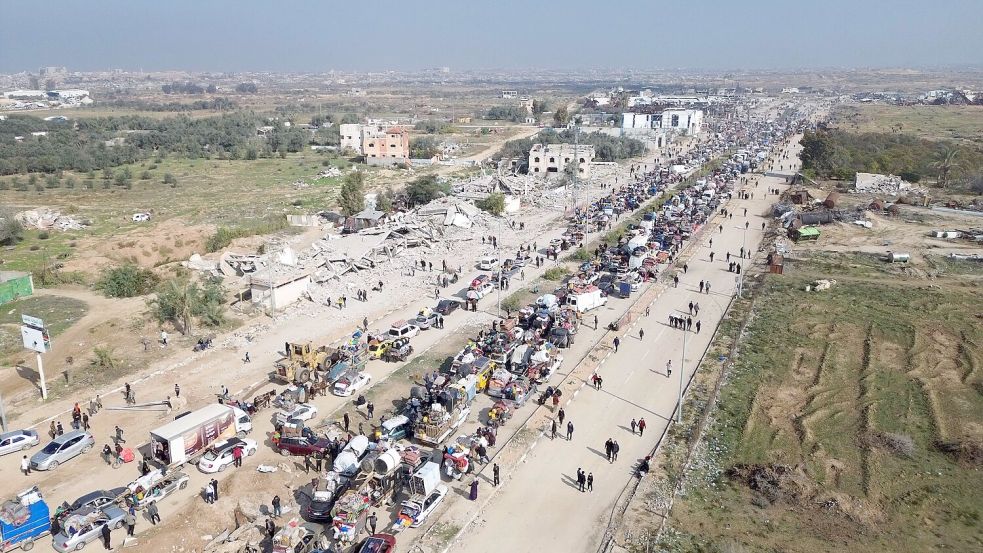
540, 504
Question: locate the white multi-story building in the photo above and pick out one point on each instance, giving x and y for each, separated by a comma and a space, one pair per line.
689, 121
554, 158
351, 136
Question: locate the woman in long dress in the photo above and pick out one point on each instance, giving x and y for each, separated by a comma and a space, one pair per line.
474, 490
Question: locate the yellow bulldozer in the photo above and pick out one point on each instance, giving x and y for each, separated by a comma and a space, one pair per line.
301, 361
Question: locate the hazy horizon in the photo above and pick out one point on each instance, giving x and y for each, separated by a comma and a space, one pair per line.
307, 36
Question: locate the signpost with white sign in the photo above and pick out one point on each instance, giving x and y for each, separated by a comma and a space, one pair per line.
36, 339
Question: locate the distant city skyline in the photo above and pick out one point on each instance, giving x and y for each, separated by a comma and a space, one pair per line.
317, 36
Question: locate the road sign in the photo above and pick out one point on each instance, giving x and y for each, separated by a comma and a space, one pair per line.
35, 339
32, 321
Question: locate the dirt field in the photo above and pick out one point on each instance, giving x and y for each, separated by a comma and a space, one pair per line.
851, 420
961, 123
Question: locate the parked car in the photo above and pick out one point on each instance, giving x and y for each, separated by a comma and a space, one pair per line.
302, 412
219, 456
97, 498
349, 384
83, 527
141, 217
301, 445
378, 543
446, 307
18, 440
403, 329
154, 486
61, 449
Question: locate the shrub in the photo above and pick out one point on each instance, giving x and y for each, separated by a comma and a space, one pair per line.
44, 235
126, 281
556, 273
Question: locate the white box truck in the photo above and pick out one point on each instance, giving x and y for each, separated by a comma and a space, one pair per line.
188, 436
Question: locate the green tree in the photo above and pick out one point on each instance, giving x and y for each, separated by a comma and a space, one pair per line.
51, 181
18, 184
425, 189
169, 179
945, 165
182, 302
146, 175
352, 198
494, 203
424, 147
561, 116
32, 180
71, 183
385, 202
539, 106
11, 231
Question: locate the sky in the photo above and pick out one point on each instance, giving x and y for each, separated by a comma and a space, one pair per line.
317, 36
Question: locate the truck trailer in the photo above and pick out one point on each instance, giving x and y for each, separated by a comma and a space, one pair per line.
182, 440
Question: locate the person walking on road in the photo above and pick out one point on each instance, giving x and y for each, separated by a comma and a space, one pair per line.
106, 535
371, 523
617, 342
634, 425
708, 287
119, 435
153, 513
690, 308
697, 327
276, 505
581, 479
614, 449
711, 257
569, 430
495, 474
346, 421
641, 426
607, 449
25, 466
595, 322
668, 368
553, 430
702, 285
641, 333
590, 482
561, 414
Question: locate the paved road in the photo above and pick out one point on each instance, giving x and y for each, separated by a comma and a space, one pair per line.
540, 507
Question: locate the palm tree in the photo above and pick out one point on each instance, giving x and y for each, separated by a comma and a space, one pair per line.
945, 165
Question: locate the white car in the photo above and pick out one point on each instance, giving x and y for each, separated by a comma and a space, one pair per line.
219, 456
348, 385
483, 290
403, 329
141, 217
417, 510
302, 412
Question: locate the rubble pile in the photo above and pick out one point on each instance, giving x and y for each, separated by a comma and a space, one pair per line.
873, 183
44, 218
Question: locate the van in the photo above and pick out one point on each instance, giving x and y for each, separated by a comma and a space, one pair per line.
488, 262
587, 300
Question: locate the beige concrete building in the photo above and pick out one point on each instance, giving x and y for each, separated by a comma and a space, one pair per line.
383, 147
554, 158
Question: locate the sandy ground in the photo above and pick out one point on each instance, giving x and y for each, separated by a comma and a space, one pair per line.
596, 414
